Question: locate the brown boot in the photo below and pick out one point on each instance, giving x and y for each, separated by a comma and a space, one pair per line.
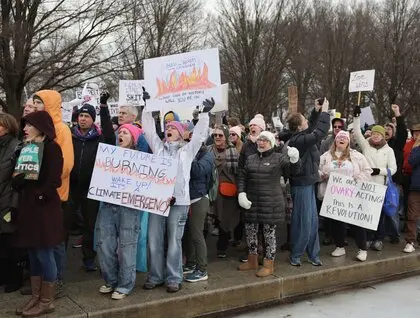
251, 264
46, 301
267, 269
36, 282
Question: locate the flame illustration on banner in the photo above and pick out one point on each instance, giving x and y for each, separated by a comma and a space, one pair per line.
197, 79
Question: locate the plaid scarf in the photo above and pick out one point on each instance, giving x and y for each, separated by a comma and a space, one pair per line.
231, 157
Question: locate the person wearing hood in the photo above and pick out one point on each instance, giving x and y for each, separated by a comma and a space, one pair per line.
173, 225
351, 163
39, 219
225, 207
86, 138
50, 101
261, 195
381, 158
338, 124
304, 226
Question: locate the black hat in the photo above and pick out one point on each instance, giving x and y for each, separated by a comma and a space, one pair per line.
343, 123
88, 109
43, 122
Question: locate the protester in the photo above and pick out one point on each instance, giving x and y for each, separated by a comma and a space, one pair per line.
338, 124
11, 267
117, 231
226, 205
173, 225
413, 214
235, 137
343, 160
256, 126
86, 138
127, 114
40, 217
196, 247
233, 122
304, 225
381, 158
261, 195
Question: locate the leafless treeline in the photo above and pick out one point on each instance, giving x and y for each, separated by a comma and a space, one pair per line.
265, 46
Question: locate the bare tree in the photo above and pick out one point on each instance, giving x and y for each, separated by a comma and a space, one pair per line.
54, 44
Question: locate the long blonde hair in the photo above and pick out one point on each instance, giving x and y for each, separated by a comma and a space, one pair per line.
346, 153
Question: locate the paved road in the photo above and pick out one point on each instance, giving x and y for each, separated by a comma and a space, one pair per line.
396, 299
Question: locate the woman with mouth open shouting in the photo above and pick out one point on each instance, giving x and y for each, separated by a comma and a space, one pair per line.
175, 147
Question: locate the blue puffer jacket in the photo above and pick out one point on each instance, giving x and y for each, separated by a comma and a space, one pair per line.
201, 173
414, 161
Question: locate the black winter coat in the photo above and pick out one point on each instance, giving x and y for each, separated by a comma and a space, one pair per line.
260, 180
307, 142
85, 154
397, 144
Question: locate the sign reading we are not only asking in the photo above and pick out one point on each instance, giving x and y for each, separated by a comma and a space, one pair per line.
133, 179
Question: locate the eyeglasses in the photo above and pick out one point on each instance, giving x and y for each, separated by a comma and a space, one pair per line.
262, 140
337, 127
232, 134
218, 135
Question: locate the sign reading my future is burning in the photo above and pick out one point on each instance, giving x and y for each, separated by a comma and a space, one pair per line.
353, 201
133, 179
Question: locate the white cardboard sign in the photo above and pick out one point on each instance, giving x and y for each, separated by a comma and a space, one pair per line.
133, 179
353, 201
362, 81
131, 92
182, 80
366, 117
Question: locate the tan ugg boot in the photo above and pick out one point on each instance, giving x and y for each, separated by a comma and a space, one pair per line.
36, 282
267, 269
45, 304
251, 264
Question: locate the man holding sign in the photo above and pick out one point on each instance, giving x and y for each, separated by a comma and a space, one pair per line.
172, 224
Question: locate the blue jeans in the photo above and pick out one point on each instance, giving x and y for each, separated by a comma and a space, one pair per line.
174, 226
117, 232
304, 225
60, 256
42, 263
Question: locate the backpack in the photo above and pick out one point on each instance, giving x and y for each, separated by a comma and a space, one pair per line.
392, 197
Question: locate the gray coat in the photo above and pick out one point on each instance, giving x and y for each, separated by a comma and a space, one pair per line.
260, 179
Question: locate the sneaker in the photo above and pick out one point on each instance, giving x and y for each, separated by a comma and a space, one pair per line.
295, 262
378, 245
361, 255
215, 232
339, 251
368, 244
243, 258
315, 262
173, 288
78, 243
150, 285
409, 248
118, 295
221, 255
327, 241
106, 289
90, 265
188, 269
197, 276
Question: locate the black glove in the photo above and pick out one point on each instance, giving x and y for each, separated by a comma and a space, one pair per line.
18, 181
172, 202
208, 105
375, 171
103, 98
146, 95
357, 111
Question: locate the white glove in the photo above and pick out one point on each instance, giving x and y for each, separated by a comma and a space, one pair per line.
293, 154
325, 105
243, 201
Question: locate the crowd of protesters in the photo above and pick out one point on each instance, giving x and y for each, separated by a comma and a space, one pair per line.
247, 184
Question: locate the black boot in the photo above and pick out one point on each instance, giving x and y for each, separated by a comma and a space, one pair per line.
15, 277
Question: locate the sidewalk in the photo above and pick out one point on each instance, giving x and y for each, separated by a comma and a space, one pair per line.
227, 289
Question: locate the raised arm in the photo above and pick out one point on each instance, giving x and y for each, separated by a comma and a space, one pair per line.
150, 134
360, 139
201, 132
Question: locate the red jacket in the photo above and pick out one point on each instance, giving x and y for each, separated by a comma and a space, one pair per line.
407, 169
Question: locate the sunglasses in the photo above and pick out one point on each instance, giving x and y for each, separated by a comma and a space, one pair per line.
233, 134
337, 127
218, 135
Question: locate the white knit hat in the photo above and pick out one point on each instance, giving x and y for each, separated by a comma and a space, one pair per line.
237, 130
258, 120
268, 136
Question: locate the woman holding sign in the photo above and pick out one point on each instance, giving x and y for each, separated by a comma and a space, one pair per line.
39, 216
343, 160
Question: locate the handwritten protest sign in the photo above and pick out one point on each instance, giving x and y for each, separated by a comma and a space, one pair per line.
353, 201
133, 179
223, 105
29, 161
292, 95
131, 92
366, 117
362, 81
182, 80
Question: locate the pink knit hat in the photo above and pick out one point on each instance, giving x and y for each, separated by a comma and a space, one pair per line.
258, 120
342, 134
237, 130
134, 131
178, 126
